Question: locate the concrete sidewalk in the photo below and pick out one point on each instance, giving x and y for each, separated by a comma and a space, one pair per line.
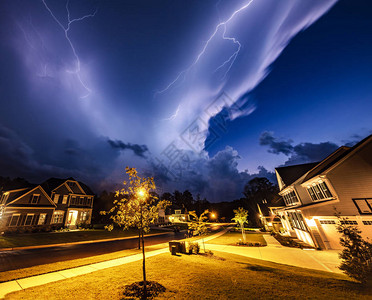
24, 283
275, 252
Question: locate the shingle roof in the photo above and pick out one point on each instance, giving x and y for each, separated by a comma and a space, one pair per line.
290, 174
332, 159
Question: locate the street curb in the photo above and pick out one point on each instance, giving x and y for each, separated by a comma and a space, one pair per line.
79, 243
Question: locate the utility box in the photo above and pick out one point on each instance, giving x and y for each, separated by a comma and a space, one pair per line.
180, 247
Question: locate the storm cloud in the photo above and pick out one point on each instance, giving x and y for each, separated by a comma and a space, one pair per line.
297, 154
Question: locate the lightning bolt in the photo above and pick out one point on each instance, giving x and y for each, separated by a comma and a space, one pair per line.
66, 31
231, 59
172, 117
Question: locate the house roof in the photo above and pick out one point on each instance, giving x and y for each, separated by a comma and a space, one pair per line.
290, 174
52, 183
14, 194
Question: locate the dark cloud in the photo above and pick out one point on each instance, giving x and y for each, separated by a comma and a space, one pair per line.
276, 146
138, 150
217, 178
300, 153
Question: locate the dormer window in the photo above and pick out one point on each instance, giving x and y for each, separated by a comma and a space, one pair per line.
4, 197
290, 198
35, 198
319, 191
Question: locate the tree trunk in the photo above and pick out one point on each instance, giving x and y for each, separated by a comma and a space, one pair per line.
139, 239
243, 232
143, 260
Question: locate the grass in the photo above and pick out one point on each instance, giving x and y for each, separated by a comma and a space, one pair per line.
232, 238
35, 239
68, 264
222, 276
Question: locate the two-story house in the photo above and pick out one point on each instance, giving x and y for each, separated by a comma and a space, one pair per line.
73, 200
29, 207
54, 203
315, 193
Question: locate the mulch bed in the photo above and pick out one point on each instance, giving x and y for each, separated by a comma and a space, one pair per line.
135, 290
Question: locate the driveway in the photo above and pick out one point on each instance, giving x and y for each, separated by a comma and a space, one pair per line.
325, 260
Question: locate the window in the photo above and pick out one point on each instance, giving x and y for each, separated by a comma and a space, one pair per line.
42, 219
319, 191
327, 222
28, 220
56, 198
84, 216
81, 199
177, 212
348, 222
290, 198
364, 205
35, 198
296, 220
73, 200
367, 222
64, 200
4, 197
14, 220
58, 217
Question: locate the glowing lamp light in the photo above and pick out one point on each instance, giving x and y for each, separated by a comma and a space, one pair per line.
270, 224
141, 193
310, 222
213, 215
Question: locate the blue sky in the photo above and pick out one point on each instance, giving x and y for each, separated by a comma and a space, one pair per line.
286, 81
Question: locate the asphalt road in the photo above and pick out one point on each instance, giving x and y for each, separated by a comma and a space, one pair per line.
16, 259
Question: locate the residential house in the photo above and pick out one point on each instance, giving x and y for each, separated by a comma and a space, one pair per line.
314, 193
54, 203
28, 208
73, 200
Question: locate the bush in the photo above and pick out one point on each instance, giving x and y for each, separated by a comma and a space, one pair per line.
356, 255
194, 247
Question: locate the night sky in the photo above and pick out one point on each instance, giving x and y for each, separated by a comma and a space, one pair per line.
203, 95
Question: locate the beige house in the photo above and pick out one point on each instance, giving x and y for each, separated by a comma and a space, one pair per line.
314, 193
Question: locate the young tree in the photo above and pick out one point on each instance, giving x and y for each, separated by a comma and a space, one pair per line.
357, 253
198, 224
240, 218
138, 208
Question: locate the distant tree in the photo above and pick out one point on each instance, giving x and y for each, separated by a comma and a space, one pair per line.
256, 191
356, 255
198, 224
240, 218
188, 200
138, 208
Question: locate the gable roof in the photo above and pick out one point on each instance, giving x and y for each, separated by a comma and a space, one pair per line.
15, 194
290, 174
331, 160
21, 193
79, 188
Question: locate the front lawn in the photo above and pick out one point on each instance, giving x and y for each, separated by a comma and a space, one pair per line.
232, 238
34, 239
221, 276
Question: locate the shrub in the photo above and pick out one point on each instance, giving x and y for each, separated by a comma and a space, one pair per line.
194, 247
356, 255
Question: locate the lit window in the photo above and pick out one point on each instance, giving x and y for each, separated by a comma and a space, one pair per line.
42, 219
58, 217
64, 200
319, 191
84, 216
28, 220
56, 198
35, 198
290, 198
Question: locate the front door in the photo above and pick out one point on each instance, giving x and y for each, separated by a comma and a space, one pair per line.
72, 217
